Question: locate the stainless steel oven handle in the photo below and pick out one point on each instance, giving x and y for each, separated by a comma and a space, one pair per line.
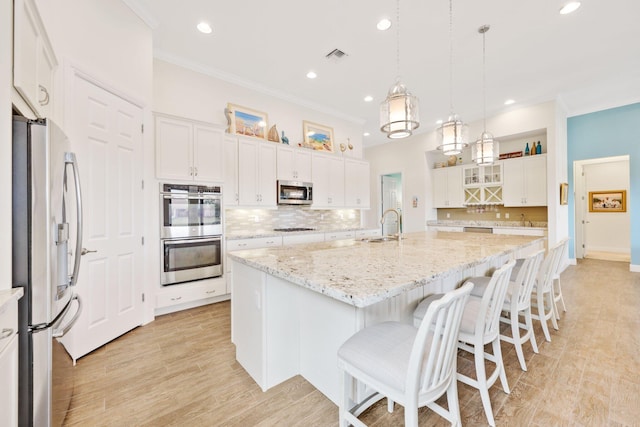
201, 240
185, 197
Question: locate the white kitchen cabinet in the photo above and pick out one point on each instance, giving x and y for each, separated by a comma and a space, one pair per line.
520, 231
525, 181
339, 235
245, 244
372, 232
230, 193
356, 184
483, 184
296, 239
9, 363
447, 228
294, 164
447, 187
188, 150
191, 294
256, 173
34, 62
328, 181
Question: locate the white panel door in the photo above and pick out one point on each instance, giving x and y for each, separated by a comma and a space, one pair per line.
105, 132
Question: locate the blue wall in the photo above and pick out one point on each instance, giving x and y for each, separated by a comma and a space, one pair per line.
614, 132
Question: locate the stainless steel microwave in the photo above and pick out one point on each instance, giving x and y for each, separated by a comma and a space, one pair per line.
295, 193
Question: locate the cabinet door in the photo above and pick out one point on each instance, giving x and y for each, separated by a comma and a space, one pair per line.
285, 163
455, 193
266, 163
320, 179
513, 186
535, 180
174, 149
207, 153
33, 59
248, 173
356, 185
336, 182
9, 389
230, 188
440, 188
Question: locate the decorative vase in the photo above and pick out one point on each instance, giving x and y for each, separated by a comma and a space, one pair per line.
285, 140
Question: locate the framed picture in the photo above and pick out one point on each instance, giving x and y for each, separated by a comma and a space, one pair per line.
608, 201
247, 122
317, 136
564, 193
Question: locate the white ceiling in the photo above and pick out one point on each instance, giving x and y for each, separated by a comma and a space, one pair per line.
588, 60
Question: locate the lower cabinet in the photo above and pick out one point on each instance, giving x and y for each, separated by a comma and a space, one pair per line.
339, 235
191, 294
9, 364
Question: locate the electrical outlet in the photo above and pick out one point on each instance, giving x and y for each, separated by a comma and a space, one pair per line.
497, 215
506, 215
448, 215
256, 218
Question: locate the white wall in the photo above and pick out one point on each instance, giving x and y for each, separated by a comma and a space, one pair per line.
409, 157
6, 82
183, 92
105, 40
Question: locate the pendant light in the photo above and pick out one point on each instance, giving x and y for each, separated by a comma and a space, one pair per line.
453, 134
485, 150
399, 111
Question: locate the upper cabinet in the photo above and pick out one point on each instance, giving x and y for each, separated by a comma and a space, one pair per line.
33, 59
294, 164
187, 150
256, 173
447, 187
230, 193
483, 184
525, 181
356, 184
328, 181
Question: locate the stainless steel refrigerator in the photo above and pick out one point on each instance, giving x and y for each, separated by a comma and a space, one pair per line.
47, 216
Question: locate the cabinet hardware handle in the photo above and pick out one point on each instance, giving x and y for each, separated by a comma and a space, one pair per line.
196, 171
211, 292
44, 101
6, 333
176, 298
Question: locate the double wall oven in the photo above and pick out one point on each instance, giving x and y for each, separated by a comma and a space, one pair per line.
191, 232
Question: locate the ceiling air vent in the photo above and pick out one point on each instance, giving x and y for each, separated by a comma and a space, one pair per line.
335, 55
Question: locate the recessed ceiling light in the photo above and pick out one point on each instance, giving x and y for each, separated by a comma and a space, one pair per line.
509, 102
311, 75
204, 27
384, 24
366, 134
439, 122
569, 6
368, 98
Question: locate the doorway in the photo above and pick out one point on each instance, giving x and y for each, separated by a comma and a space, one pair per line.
391, 199
601, 234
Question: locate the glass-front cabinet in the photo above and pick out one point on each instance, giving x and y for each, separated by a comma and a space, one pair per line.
483, 184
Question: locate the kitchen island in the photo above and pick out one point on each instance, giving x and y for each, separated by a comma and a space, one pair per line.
293, 306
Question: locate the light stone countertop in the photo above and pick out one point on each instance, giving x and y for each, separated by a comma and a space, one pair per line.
9, 294
252, 234
361, 273
540, 225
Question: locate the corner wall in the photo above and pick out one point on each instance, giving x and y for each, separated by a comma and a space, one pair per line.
608, 133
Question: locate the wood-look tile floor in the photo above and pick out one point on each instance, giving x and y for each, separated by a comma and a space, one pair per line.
181, 370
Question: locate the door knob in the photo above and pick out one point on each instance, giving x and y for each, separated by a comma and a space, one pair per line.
86, 251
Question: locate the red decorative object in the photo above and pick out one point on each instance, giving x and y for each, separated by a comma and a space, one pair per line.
511, 155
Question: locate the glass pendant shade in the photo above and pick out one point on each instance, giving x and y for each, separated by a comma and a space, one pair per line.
485, 150
452, 136
399, 112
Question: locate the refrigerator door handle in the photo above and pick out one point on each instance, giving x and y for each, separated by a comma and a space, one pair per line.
70, 158
57, 333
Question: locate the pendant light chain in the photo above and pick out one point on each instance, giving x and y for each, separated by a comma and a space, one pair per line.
451, 56
398, 39
484, 80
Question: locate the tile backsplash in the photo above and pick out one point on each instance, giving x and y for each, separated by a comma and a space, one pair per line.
534, 214
247, 220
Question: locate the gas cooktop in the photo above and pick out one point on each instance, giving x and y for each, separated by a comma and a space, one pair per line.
294, 229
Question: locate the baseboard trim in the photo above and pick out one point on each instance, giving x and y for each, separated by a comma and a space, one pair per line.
634, 268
